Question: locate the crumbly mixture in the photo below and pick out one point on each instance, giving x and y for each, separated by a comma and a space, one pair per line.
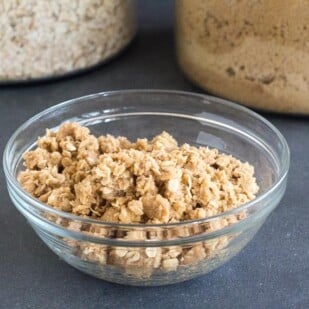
147, 181
114, 180
253, 52
41, 38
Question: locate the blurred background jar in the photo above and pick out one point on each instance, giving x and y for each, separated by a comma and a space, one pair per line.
253, 52
48, 38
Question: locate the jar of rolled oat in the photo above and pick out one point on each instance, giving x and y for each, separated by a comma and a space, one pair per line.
252, 52
43, 38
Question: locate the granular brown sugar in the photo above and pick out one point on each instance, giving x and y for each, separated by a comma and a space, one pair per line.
253, 52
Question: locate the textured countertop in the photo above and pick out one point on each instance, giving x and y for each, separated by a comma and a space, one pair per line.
271, 272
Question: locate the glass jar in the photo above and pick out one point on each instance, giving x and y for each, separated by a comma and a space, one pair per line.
43, 38
253, 52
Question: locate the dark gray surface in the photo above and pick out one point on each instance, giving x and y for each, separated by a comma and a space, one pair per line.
271, 272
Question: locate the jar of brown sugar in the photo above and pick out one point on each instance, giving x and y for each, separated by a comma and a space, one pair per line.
253, 52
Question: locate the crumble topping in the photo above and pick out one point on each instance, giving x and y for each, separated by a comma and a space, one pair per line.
112, 179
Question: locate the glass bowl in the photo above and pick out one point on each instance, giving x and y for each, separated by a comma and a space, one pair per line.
137, 254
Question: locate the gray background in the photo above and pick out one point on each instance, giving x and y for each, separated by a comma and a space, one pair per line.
271, 272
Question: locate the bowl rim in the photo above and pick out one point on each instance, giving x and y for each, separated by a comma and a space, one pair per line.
283, 169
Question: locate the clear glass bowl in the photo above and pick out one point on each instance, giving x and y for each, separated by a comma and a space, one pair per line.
155, 254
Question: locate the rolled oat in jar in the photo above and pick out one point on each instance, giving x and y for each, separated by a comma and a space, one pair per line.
253, 52
43, 38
